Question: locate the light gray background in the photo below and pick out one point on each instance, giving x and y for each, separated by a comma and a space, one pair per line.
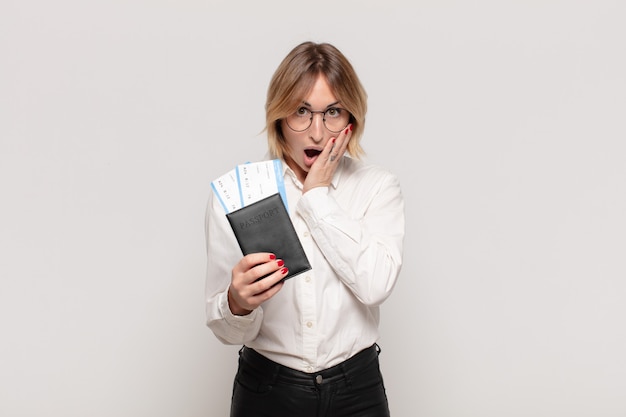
503, 119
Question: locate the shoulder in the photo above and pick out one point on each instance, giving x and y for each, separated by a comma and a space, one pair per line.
360, 170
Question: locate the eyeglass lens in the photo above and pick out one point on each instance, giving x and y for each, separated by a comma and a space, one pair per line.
335, 119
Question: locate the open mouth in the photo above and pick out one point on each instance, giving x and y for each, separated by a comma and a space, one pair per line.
311, 153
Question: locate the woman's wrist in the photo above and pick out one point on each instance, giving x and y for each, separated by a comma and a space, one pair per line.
235, 308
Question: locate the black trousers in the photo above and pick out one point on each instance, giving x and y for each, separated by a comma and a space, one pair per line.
354, 388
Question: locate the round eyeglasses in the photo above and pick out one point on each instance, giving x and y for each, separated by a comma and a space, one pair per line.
335, 119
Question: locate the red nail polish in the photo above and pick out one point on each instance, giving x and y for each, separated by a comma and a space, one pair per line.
351, 128
272, 256
280, 262
284, 271
347, 130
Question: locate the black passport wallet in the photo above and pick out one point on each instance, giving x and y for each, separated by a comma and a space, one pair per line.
265, 226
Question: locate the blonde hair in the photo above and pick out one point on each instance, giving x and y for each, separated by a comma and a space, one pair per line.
293, 80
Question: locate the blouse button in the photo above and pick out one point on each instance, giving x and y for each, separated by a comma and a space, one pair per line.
309, 324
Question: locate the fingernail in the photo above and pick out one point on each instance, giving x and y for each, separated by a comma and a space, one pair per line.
284, 271
272, 256
351, 127
280, 262
347, 130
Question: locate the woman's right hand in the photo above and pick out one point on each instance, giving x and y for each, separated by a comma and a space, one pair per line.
247, 291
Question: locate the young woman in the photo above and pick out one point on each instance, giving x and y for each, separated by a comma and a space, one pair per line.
309, 342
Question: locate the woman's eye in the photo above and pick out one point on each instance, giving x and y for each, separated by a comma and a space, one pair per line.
302, 112
333, 112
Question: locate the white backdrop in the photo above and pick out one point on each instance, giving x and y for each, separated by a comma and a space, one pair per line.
504, 121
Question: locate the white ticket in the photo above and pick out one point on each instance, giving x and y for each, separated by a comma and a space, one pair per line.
258, 180
249, 183
226, 188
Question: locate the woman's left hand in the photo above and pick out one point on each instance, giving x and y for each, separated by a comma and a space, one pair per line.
323, 169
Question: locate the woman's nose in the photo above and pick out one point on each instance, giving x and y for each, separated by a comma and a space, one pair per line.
316, 130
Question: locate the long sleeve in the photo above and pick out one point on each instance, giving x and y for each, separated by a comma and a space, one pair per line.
359, 228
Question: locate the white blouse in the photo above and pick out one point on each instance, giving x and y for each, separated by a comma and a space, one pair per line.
352, 233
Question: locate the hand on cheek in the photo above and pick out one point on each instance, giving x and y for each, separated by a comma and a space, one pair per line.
323, 170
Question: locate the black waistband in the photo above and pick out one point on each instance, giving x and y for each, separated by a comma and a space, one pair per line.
275, 371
